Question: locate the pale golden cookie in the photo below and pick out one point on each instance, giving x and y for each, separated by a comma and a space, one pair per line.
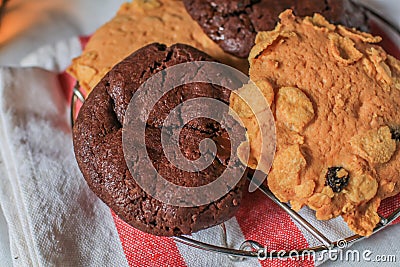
137, 24
336, 101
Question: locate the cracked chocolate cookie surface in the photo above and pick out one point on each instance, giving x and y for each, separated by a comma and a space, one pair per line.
99, 151
234, 24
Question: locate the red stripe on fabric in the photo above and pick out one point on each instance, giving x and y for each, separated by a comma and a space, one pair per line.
263, 221
387, 43
389, 205
143, 249
84, 40
67, 82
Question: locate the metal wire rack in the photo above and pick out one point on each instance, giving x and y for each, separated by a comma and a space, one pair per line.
251, 248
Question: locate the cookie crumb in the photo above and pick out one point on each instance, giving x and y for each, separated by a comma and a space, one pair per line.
319, 22
305, 189
343, 49
285, 173
376, 145
294, 108
263, 41
318, 200
383, 71
355, 34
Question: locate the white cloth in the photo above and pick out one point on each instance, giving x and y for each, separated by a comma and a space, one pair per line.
55, 57
53, 218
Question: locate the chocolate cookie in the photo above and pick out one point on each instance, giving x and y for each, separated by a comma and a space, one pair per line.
335, 95
99, 150
234, 24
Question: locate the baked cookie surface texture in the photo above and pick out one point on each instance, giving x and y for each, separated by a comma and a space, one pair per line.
99, 150
335, 95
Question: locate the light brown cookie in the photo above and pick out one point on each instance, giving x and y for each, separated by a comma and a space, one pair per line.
336, 100
139, 23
